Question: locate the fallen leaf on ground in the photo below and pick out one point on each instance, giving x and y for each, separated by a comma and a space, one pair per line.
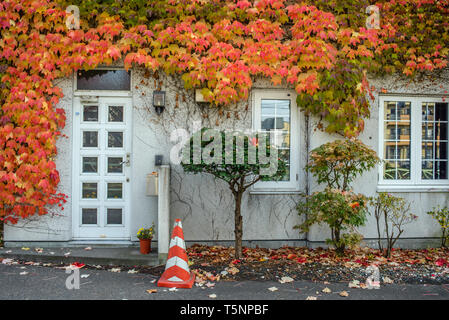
85, 275
272, 289
344, 294
311, 298
212, 296
173, 289
132, 271
23, 273
326, 290
354, 284
387, 280
7, 261
286, 280
233, 270
115, 270
25, 249
78, 265
152, 290
210, 284
88, 248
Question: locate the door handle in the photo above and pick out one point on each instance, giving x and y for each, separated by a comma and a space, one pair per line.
127, 162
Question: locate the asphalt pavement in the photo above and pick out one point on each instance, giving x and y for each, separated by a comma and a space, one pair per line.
48, 283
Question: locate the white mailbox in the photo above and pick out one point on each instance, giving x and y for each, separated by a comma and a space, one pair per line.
152, 184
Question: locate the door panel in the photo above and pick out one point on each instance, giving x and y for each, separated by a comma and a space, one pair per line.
101, 168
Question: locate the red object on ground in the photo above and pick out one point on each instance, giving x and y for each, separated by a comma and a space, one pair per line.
177, 272
78, 265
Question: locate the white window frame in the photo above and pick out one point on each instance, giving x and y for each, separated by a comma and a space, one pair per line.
279, 186
416, 183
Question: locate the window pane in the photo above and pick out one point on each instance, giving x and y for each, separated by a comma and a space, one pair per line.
275, 118
397, 126
440, 169
390, 170
403, 170
115, 114
89, 190
114, 216
90, 139
115, 165
90, 113
114, 190
115, 139
89, 216
434, 140
90, 164
103, 80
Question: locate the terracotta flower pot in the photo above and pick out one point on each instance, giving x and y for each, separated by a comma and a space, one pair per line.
145, 246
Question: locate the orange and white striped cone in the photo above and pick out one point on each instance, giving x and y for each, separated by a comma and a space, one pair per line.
177, 272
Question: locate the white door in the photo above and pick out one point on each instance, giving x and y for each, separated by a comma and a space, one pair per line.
101, 168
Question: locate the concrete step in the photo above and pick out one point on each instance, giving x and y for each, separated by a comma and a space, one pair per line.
99, 255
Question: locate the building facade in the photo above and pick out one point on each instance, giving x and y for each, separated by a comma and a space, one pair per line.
114, 134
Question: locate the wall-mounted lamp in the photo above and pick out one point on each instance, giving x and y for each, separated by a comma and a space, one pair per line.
159, 101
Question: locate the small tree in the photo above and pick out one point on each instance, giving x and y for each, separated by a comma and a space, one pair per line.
340, 210
336, 164
395, 214
442, 216
236, 159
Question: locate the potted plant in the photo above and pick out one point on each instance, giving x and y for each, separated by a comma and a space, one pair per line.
145, 235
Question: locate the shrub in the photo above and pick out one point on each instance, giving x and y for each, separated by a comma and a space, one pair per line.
394, 211
442, 216
342, 211
336, 164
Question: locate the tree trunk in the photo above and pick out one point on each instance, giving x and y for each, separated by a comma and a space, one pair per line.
238, 227
340, 247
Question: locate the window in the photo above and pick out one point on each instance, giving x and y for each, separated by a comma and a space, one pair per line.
275, 113
103, 80
414, 141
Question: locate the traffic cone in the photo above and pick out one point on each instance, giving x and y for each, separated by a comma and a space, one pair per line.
177, 272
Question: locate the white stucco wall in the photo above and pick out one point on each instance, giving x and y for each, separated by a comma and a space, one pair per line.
205, 205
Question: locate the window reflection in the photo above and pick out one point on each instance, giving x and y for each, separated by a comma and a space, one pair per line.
275, 120
103, 80
397, 140
434, 140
